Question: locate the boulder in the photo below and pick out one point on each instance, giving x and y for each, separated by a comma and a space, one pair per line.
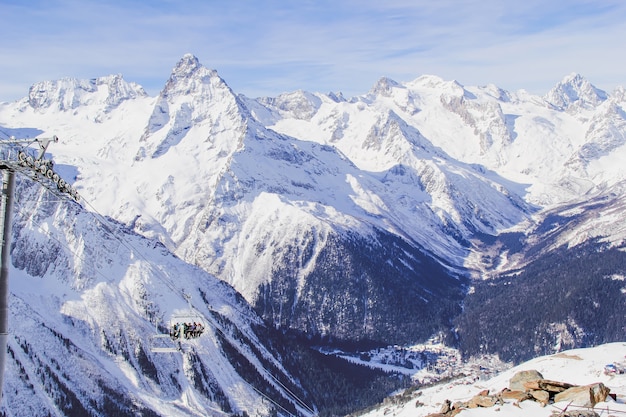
516, 395
547, 385
482, 401
584, 396
541, 396
446, 407
517, 381
600, 392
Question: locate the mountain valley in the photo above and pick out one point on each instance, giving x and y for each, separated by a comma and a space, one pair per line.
304, 229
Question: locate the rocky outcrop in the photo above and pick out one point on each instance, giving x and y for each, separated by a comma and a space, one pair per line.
530, 385
584, 396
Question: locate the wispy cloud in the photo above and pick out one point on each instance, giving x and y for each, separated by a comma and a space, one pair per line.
270, 46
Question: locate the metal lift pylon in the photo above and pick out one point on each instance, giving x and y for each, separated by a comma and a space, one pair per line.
15, 156
6, 204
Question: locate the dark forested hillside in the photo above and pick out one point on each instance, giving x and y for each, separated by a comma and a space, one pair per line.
384, 290
571, 297
335, 386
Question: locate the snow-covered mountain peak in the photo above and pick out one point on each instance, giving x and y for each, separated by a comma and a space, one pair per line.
428, 81
384, 87
189, 76
575, 90
300, 105
70, 93
438, 85
187, 64
619, 95
336, 97
496, 92
333, 218
193, 96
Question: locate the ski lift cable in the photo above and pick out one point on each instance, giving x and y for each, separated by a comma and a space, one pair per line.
49, 235
294, 396
108, 228
102, 220
106, 223
272, 401
10, 137
20, 207
216, 325
290, 395
169, 283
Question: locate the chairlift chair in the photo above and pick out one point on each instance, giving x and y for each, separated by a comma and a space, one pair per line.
165, 343
161, 343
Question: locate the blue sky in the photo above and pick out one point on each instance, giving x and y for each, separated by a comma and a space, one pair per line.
267, 47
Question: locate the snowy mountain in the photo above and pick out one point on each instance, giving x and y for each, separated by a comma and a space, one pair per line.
575, 92
343, 221
69, 94
88, 297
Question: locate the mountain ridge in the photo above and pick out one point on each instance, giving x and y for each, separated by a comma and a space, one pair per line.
344, 221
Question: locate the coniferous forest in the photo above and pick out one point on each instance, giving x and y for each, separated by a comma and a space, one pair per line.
570, 297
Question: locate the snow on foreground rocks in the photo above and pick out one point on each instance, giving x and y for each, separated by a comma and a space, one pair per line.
576, 367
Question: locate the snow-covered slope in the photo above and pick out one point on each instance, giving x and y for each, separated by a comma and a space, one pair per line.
430, 162
88, 297
194, 169
337, 218
578, 367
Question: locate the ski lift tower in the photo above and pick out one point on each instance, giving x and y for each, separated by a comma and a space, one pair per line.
17, 156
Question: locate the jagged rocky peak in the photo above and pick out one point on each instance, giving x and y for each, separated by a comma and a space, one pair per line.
193, 94
336, 97
384, 87
70, 93
195, 85
189, 76
188, 64
575, 90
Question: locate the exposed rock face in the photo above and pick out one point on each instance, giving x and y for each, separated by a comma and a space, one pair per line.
482, 401
515, 395
189, 99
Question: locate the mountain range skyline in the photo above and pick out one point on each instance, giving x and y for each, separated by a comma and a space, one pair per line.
341, 222
268, 48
